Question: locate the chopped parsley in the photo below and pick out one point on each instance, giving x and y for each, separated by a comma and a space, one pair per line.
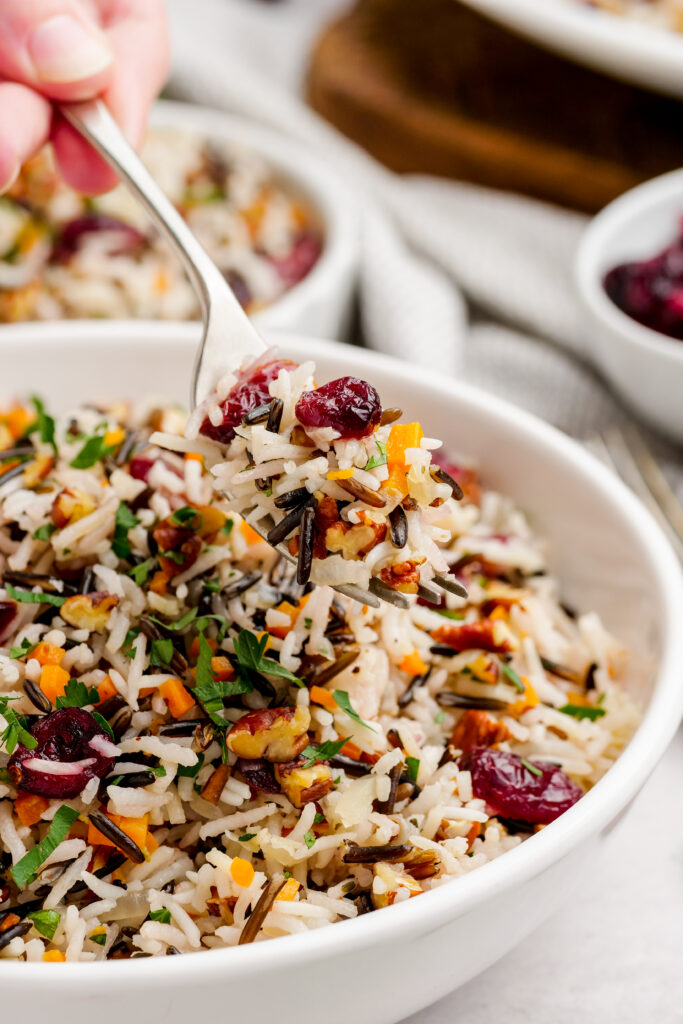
412, 767
378, 460
246, 837
77, 695
187, 517
125, 521
323, 752
162, 915
94, 449
211, 691
343, 700
308, 623
99, 938
189, 772
128, 641
309, 839
25, 648
213, 586
512, 676
140, 573
24, 872
250, 653
182, 622
319, 819
439, 718
44, 532
581, 712
161, 653
448, 614
532, 768
29, 597
227, 526
45, 921
45, 425
104, 724
16, 730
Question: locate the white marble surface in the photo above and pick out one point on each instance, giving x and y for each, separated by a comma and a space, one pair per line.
615, 954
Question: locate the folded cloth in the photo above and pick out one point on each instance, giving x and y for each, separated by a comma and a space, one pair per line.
453, 275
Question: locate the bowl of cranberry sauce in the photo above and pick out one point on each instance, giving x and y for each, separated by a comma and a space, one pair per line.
629, 273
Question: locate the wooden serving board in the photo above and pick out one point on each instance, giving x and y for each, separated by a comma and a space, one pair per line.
430, 86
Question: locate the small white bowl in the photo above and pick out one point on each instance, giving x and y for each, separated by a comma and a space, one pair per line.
610, 556
646, 367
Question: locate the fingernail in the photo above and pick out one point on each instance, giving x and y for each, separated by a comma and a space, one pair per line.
63, 50
13, 175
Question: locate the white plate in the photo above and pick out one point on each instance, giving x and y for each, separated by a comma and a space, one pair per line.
381, 967
625, 48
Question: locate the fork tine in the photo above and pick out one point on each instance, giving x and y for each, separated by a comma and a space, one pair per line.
448, 582
620, 457
388, 594
428, 593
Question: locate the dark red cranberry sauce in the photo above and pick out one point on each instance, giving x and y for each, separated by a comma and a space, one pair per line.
250, 391
517, 789
64, 736
349, 405
651, 291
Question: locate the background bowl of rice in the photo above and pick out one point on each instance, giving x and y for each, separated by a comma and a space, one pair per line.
277, 221
610, 556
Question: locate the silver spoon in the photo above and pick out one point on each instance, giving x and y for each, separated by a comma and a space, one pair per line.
229, 338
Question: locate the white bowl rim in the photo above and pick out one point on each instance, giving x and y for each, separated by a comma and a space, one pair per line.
588, 271
596, 810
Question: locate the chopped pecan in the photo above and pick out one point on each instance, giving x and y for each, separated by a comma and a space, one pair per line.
354, 541
70, 505
486, 635
421, 863
477, 729
326, 514
278, 734
405, 576
37, 470
301, 784
216, 783
89, 611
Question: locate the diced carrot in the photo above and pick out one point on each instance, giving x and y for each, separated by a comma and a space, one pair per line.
261, 635
340, 474
319, 695
106, 689
528, 699
473, 834
576, 697
194, 646
48, 654
242, 872
9, 921
288, 890
136, 829
18, 421
179, 699
54, 956
113, 438
249, 533
151, 845
351, 750
53, 680
193, 457
396, 483
293, 611
413, 664
222, 669
402, 436
499, 612
29, 808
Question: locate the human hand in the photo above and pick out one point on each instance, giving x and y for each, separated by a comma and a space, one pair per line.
75, 50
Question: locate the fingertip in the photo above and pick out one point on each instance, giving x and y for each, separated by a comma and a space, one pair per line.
78, 163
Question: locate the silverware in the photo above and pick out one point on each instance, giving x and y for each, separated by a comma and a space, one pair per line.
229, 338
627, 453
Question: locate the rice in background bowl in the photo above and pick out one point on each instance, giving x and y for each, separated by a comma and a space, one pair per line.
66, 256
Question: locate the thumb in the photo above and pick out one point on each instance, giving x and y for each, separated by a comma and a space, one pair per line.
54, 46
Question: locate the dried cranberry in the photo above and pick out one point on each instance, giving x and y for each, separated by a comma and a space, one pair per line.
651, 291
63, 736
513, 790
349, 405
8, 613
249, 391
300, 261
125, 238
258, 773
140, 467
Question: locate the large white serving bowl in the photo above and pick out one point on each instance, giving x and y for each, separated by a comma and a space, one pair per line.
646, 367
627, 48
611, 557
